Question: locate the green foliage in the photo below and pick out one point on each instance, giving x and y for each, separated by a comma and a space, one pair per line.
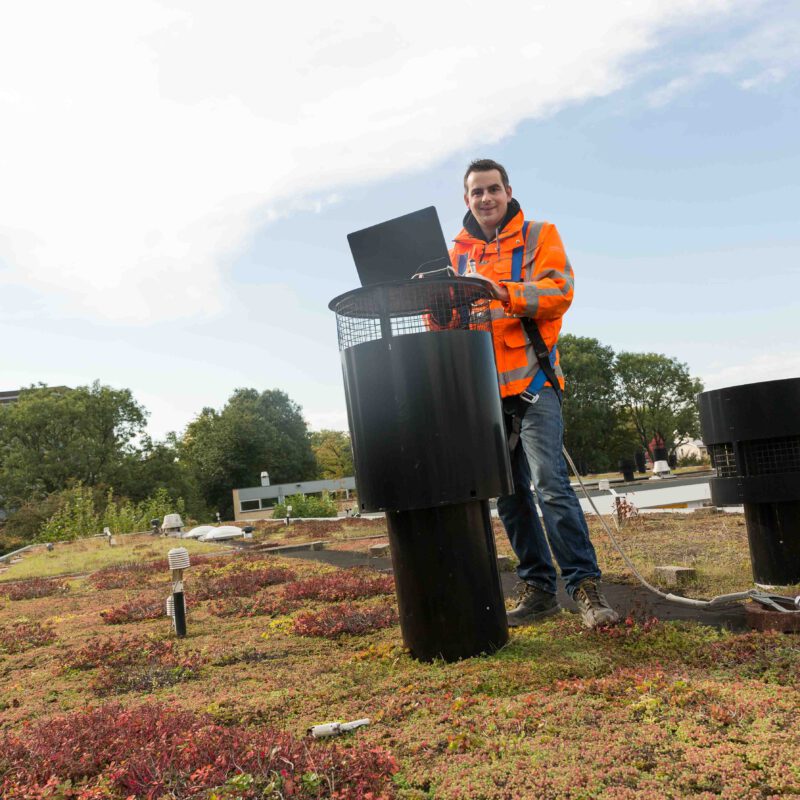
52, 438
23, 525
160, 465
333, 453
254, 432
78, 514
615, 404
124, 516
658, 397
77, 517
594, 432
306, 506
693, 460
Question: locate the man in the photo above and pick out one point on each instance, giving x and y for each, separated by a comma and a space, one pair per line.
529, 274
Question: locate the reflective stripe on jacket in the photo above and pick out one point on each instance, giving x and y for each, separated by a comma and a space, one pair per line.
543, 290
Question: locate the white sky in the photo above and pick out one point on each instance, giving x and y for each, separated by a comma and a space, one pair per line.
144, 148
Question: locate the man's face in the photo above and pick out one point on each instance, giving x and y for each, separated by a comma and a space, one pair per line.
487, 198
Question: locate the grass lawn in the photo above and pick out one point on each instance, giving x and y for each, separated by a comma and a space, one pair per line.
99, 700
88, 555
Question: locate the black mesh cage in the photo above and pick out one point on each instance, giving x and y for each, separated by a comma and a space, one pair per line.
723, 459
760, 457
412, 306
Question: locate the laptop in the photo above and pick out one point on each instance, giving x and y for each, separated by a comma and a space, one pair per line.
398, 248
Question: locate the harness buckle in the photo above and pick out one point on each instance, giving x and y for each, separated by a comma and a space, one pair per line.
528, 397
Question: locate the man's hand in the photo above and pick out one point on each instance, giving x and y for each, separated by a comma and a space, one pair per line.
497, 290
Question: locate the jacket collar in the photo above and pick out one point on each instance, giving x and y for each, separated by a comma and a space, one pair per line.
512, 223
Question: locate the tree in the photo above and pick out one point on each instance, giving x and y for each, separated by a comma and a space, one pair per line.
333, 453
592, 432
658, 396
51, 438
159, 465
254, 432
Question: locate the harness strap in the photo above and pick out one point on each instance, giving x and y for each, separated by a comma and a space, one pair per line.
517, 255
514, 409
545, 357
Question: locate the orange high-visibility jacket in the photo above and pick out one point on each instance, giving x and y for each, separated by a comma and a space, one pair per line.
529, 258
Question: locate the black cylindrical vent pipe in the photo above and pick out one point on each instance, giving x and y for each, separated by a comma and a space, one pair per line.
429, 448
626, 467
753, 437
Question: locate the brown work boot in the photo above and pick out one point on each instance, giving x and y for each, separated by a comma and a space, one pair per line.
532, 605
593, 607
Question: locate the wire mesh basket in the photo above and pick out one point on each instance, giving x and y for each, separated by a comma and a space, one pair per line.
430, 305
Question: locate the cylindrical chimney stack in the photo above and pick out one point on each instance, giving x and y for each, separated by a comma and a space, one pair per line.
753, 437
430, 449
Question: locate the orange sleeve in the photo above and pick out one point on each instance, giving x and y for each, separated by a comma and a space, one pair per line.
548, 293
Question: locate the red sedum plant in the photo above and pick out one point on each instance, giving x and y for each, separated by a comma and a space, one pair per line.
351, 584
241, 582
134, 663
132, 575
155, 751
141, 608
117, 650
347, 618
263, 604
21, 636
36, 587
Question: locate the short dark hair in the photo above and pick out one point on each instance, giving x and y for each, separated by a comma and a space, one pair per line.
485, 165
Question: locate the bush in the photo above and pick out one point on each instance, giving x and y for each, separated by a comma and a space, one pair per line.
78, 514
346, 618
76, 517
307, 506
21, 636
22, 526
156, 751
351, 584
692, 460
124, 516
35, 587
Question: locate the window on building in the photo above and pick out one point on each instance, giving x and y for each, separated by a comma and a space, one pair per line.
249, 505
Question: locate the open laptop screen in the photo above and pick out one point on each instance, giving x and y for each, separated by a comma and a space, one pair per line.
396, 249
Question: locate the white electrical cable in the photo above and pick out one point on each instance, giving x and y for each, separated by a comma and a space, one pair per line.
720, 600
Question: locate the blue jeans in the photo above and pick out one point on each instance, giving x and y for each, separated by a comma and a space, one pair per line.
538, 455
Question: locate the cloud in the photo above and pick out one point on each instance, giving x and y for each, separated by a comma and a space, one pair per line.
143, 144
326, 420
768, 77
771, 366
765, 55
